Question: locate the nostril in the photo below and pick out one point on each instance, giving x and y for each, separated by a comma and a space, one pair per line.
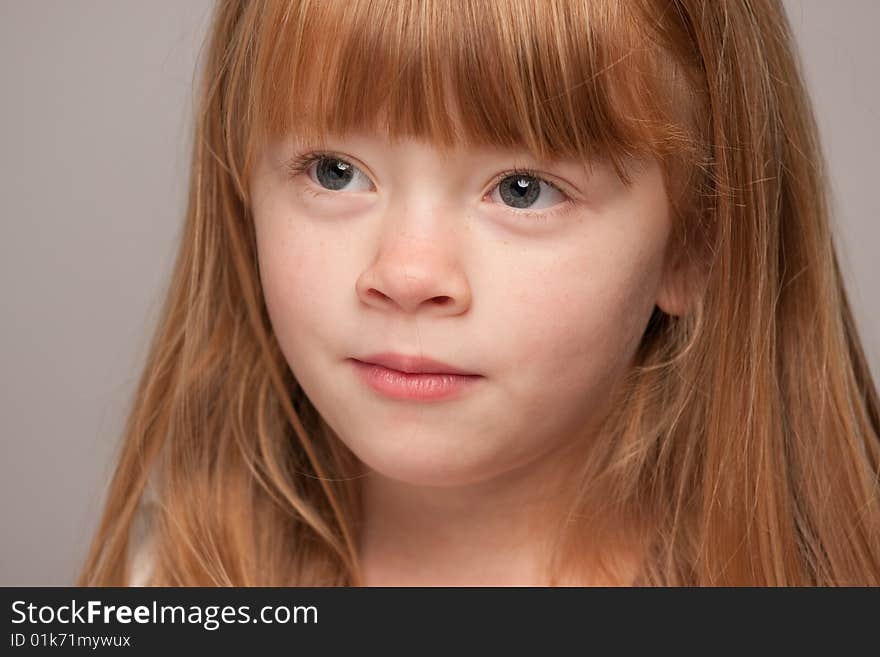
441, 301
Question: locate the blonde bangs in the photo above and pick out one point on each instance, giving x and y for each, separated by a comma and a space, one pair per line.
558, 79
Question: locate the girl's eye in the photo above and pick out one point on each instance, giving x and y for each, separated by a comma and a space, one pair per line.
331, 173
521, 190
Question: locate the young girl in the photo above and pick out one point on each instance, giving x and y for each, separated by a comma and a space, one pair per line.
490, 293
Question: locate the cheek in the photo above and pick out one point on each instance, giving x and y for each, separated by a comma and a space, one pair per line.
295, 273
583, 313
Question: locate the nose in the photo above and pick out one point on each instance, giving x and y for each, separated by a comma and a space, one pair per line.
415, 274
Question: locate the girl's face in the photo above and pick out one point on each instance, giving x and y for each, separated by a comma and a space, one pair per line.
542, 287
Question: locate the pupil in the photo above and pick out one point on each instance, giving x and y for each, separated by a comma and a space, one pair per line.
334, 174
519, 191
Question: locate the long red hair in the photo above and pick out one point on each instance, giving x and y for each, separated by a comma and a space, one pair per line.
744, 446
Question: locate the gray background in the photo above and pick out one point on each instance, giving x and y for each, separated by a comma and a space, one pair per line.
95, 131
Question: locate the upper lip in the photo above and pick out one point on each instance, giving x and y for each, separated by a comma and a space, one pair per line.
412, 364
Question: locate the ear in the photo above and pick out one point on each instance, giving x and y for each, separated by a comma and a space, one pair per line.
682, 280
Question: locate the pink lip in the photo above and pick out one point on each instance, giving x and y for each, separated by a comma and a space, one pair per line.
411, 364
422, 386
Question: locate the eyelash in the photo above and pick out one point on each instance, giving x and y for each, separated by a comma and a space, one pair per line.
300, 163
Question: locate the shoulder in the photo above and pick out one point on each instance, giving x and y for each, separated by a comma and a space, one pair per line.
140, 546
141, 565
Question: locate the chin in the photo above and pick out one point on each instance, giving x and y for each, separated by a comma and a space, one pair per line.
431, 470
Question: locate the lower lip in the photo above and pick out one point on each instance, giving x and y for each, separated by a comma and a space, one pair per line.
404, 385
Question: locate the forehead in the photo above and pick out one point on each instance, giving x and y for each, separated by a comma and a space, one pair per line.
553, 78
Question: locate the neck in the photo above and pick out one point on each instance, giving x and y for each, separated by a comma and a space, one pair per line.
495, 532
